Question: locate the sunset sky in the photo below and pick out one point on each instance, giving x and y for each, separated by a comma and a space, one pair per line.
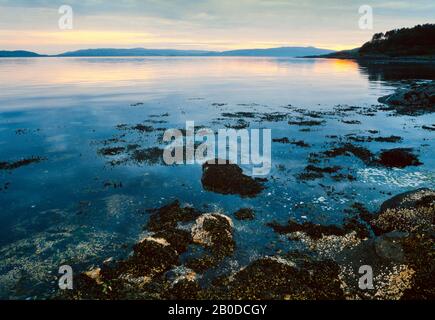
201, 24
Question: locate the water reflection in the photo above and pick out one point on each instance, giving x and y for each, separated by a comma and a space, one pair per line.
384, 71
68, 206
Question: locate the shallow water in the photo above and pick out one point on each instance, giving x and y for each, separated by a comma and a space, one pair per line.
66, 208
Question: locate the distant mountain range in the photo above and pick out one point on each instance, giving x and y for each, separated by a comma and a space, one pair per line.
18, 53
141, 52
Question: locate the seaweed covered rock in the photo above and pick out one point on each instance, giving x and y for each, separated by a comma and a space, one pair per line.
389, 246
405, 229
227, 178
183, 284
245, 214
165, 221
138, 277
346, 149
215, 232
317, 231
420, 256
413, 99
286, 278
413, 199
169, 216
412, 211
152, 256
398, 158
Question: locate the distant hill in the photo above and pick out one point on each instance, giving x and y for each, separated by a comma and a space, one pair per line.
405, 43
139, 52
136, 52
18, 54
277, 52
417, 41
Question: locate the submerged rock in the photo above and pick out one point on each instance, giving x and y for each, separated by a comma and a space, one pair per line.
228, 178
169, 216
164, 223
20, 163
317, 231
307, 123
349, 149
245, 214
398, 158
414, 99
149, 156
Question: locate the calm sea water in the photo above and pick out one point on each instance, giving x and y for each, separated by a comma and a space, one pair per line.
71, 209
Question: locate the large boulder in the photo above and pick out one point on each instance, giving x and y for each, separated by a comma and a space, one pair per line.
165, 222
412, 211
152, 256
215, 232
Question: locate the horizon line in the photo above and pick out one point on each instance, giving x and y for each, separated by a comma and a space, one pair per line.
198, 51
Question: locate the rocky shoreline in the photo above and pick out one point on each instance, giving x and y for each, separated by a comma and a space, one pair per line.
397, 242
412, 99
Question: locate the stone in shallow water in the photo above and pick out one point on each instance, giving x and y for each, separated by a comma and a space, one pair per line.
228, 178
398, 158
245, 214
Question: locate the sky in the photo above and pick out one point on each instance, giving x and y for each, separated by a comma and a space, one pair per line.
201, 24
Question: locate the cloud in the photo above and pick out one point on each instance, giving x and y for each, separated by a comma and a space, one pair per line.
212, 24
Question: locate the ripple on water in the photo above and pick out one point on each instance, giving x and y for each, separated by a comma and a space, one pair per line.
395, 177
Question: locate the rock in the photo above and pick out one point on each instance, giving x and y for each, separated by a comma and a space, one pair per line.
282, 277
95, 275
419, 253
215, 232
389, 246
413, 199
183, 284
245, 214
362, 153
414, 99
408, 212
315, 231
184, 289
20, 163
165, 223
398, 158
169, 216
228, 178
152, 256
